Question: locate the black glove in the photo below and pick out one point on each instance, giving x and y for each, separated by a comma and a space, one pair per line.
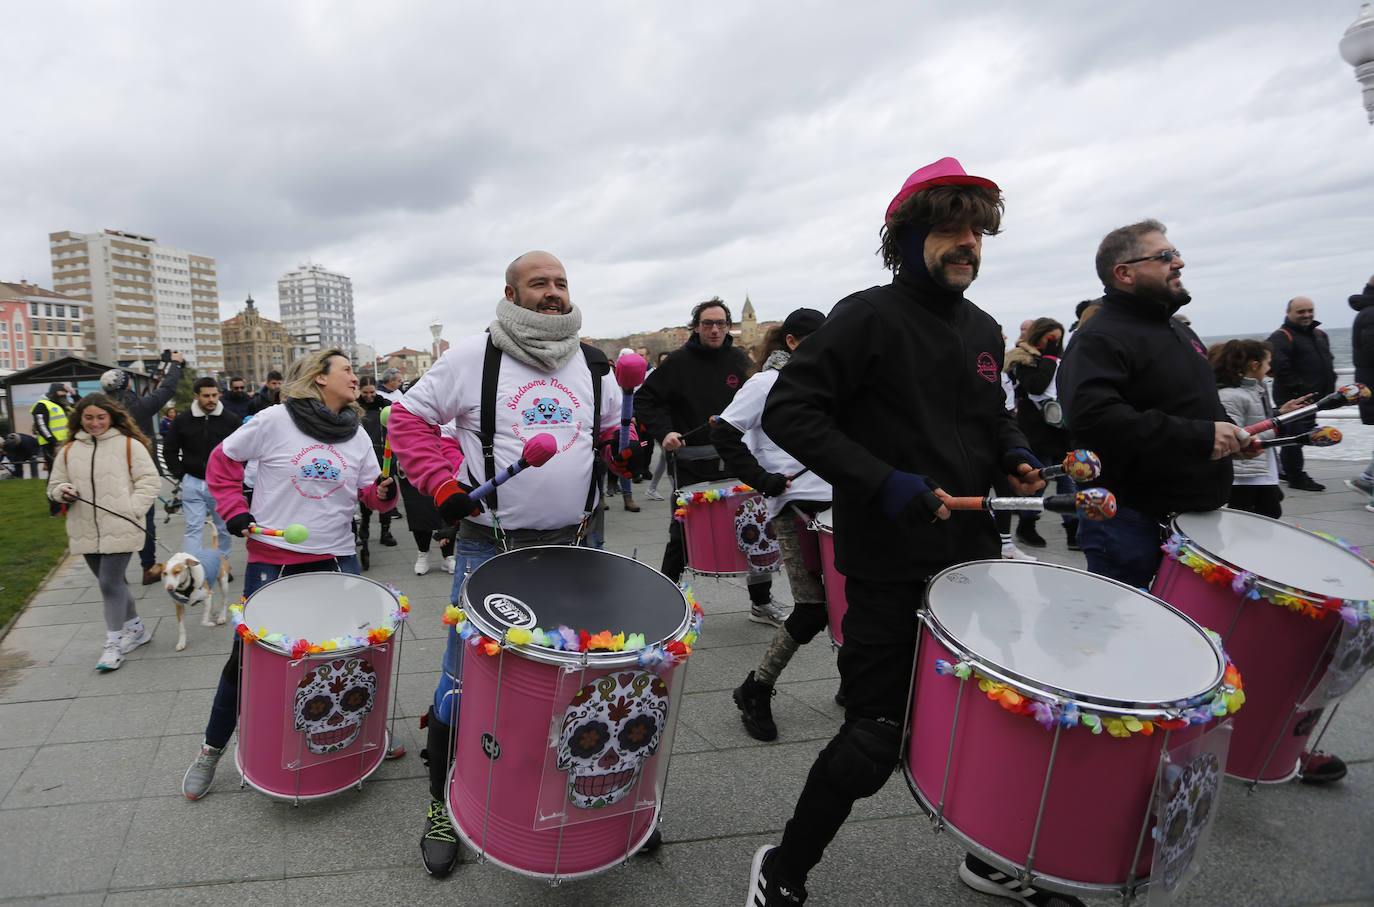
453, 502
907, 492
772, 484
1015, 457
238, 525
385, 493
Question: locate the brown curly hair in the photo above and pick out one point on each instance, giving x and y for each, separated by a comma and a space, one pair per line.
977, 206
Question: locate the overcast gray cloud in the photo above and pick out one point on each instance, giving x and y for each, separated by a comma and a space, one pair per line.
672, 152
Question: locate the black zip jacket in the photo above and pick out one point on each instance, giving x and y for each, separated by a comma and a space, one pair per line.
1138, 390
1302, 362
187, 446
692, 385
1362, 347
898, 377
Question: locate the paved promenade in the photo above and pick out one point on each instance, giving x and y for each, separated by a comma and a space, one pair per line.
91, 810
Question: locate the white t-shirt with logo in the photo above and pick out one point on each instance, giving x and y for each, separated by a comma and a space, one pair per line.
745, 412
528, 402
302, 480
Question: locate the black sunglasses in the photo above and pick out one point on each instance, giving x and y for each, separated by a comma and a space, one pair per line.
1166, 256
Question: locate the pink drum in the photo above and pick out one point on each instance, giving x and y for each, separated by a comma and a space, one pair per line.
1272, 590
835, 603
314, 725
560, 757
726, 531
1016, 664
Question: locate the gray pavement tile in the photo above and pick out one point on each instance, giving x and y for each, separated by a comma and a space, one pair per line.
43, 644
377, 827
90, 899
22, 681
175, 842
63, 849
60, 773
117, 717
56, 615
686, 740
13, 761
149, 674
236, 894
55, 597
29, 723
715, 718
89, 638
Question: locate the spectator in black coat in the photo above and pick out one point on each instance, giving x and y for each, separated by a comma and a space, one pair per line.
1302, 365
1362, 350
238, 400
186, 449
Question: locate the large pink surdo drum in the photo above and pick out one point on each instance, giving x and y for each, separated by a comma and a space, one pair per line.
1277, 594
726, 530
1047, 704
561, 756
835, 603
312, 724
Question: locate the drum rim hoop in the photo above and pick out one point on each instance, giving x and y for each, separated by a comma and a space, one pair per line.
560, 657
332, 653
1039, 689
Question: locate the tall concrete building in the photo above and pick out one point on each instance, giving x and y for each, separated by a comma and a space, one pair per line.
143, 297
254, 346
317, 308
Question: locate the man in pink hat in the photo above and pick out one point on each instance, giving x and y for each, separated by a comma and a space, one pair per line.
896, 401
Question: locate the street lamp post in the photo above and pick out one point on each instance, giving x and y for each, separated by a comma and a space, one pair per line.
436, 327
1357, 49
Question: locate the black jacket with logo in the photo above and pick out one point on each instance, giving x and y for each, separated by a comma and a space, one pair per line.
1302, 362
1138, 391
898, 377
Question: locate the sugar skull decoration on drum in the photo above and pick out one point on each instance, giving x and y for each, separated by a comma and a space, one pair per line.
755, 535
331, 702
611, 727
1189, 795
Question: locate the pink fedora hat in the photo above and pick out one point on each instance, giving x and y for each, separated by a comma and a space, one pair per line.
944, 172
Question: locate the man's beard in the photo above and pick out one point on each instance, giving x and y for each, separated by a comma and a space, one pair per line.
1172, 299
941, 275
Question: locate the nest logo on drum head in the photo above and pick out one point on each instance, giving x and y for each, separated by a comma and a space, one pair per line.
509, 610
959, 578
491, 747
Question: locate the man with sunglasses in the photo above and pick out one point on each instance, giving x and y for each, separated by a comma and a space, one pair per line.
1138, 390
238, 400
1302, 366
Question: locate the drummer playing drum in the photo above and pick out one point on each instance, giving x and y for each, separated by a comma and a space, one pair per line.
896, 401
531, 376
1139, 390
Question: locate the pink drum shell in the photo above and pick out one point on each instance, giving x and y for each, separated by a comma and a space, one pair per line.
528, 696
708, 530
835, 603
266, 679
1279, 652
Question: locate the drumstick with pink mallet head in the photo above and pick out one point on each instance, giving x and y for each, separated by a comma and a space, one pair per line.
1323, 436
295, 533
629, 374
1081, 465
537, 451
1090, 503
1341, 396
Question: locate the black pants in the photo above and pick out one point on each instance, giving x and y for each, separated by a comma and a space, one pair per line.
1261, 499
875, 674
365, 522
1291, 458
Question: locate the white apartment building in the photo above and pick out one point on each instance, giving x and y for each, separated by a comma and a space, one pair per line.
144, 297
317, 308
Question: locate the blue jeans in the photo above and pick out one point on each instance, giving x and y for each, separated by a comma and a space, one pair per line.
1124, 548
224, 712
196, 502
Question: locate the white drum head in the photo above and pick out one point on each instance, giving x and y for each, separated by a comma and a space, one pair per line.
319, 606
1070, 633
1279, 553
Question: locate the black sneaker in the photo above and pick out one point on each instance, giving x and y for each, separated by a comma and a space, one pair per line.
1027, 534
651, 844
387, 538
979, 876
765, 888
1321, 768
756, 710
364, 558
1304, 482
439, 844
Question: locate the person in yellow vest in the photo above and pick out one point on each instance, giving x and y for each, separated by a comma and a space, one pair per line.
50, 427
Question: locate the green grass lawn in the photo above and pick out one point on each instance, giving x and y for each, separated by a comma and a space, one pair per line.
31, 542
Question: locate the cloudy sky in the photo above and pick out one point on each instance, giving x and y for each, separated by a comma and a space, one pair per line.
671, 152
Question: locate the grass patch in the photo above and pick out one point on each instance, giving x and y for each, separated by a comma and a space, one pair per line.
31, 542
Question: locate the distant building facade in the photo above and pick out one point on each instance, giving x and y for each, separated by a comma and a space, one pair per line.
14, 334
142, 297
55, 326
412, 363
317, 308
254, 346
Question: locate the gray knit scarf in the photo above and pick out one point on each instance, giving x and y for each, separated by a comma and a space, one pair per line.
545, 342
776, 359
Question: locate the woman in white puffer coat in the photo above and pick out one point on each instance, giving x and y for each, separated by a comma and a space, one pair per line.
108, 461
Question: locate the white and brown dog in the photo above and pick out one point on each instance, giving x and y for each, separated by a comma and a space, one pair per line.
189, 582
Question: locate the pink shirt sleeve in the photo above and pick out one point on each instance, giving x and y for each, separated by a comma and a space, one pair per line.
418, 448
224, 475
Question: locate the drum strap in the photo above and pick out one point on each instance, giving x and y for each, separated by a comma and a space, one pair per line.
597, 364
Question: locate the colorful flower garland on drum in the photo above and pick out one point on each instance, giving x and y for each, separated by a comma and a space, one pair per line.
1249, 585
300, 648
566, 639
709, 496
1228, 698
